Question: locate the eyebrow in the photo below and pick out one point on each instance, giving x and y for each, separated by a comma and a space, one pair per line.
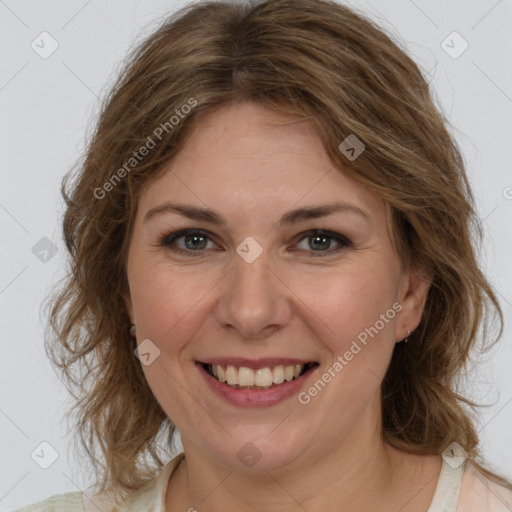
290, 218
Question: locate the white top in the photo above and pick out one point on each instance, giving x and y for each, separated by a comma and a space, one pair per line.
460, 489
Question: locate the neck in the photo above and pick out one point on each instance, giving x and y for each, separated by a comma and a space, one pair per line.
356, 474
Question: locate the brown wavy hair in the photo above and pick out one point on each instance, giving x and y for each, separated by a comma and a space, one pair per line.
316, 60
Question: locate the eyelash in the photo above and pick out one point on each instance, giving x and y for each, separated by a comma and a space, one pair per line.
170, 238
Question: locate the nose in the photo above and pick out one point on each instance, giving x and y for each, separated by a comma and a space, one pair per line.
254, 299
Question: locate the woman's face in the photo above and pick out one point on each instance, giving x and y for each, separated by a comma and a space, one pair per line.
259, 292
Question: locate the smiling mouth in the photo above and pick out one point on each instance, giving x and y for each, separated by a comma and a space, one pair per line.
260, 378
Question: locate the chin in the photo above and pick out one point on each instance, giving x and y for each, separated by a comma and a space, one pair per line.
262, 448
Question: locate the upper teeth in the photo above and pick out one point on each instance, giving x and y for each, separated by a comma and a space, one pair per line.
263, 377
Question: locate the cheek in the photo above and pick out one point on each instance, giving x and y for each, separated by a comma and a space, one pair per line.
358, 310
166, 299
168, 305
354, 301
170, 302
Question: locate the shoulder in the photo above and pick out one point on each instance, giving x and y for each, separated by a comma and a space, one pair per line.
67, 502
479, 493
72, 502
150, 497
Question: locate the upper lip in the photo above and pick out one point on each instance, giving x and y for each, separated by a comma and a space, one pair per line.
255, 363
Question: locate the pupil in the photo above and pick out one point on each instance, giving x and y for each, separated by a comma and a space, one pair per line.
195, 238
198, 241
325, 241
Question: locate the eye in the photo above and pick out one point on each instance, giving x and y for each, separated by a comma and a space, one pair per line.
195, 241
318, 240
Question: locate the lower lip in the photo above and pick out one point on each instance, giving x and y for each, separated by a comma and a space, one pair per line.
255, 397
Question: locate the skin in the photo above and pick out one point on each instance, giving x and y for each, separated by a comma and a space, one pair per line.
252, 165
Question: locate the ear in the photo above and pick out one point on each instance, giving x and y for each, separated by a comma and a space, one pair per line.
413, 292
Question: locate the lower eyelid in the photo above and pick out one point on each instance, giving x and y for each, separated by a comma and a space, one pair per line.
170, 240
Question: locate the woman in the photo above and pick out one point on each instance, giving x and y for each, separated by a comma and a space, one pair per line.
271, 252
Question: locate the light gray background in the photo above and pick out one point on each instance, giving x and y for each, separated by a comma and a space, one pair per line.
47, 107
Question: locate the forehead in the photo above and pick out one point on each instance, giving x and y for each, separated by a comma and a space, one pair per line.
248, 160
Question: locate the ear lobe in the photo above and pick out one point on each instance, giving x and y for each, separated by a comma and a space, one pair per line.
413, 294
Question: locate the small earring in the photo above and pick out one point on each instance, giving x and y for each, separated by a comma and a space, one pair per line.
404, 340
132, 329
